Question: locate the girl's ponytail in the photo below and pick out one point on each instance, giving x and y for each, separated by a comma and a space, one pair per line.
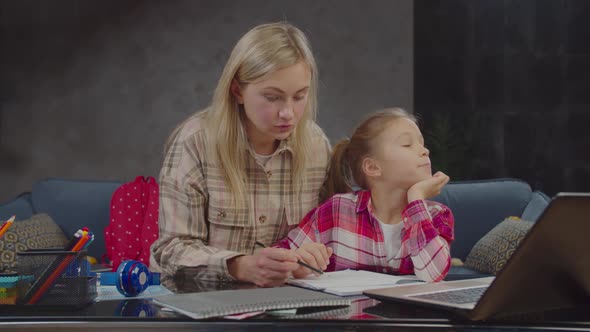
338, 178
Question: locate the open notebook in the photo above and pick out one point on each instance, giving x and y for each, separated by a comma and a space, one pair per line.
351, 282
229, 302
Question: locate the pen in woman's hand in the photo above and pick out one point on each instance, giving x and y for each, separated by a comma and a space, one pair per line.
298, 261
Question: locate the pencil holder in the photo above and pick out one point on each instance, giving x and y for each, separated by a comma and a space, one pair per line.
8, 283
55, 278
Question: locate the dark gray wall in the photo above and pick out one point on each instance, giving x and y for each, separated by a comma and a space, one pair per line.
504, 87
92, 89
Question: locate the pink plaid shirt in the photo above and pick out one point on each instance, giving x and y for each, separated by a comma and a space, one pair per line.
345, 223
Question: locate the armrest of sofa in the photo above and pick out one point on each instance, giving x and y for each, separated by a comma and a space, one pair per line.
478, 206
74, 204
21, 206
536, 206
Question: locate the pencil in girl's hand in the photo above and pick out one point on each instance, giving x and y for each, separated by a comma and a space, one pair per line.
6, 225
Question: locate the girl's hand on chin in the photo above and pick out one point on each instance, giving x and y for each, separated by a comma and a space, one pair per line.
428, 188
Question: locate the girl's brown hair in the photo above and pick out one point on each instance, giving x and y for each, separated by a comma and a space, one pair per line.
348, 154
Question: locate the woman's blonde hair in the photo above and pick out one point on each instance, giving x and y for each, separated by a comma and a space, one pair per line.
262, 50
348, 154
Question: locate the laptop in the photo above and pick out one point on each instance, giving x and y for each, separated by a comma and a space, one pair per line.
549, 270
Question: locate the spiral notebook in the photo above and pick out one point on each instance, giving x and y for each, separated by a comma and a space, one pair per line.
228, 302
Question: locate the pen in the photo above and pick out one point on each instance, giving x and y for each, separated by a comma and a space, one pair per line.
6, 225
298, 261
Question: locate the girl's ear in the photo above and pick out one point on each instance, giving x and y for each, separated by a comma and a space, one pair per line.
236, 91
371, 167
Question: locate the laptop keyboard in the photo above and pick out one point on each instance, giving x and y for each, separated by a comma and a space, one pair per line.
458, 296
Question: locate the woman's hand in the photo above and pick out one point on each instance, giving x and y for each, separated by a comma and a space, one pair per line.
267, 267
314, 254
428, 188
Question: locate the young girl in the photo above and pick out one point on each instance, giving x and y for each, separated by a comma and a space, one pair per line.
246, 169
387, 226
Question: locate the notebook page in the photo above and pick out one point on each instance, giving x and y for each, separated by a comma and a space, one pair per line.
350, 282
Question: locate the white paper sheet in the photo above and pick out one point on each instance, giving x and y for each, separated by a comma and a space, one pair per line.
108, 293
351, 282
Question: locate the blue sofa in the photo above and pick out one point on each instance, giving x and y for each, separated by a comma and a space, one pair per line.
477, 205
72, 204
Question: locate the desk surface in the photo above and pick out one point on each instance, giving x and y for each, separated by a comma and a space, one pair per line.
364, 315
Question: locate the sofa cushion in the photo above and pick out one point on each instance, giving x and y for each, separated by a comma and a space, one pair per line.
74, 204
478, 206
493, 250
39, 231
21, 207
536, 206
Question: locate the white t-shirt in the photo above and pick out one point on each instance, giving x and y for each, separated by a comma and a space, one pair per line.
392, 236
262, 159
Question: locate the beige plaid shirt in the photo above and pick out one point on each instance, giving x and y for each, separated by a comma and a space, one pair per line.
200, 230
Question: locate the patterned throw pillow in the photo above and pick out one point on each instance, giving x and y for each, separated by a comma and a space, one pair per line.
39, 231
492, 251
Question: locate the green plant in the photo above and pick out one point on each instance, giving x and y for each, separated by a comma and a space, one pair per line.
452, 142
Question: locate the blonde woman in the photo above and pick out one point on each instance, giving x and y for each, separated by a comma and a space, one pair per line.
247, 168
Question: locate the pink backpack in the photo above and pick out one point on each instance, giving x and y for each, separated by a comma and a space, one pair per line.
133, 225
